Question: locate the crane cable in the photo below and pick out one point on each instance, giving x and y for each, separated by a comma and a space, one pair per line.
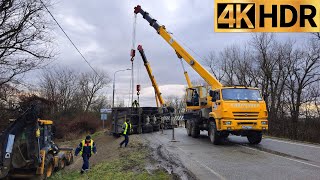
134, 31
133, 55
138, 66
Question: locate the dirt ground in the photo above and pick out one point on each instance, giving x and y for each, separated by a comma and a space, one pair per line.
107, 149
154, 159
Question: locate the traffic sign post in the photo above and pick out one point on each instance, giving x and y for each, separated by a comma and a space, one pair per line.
103, 118
104, 115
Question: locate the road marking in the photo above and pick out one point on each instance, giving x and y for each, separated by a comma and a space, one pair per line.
203, 165
293, 143
305, 163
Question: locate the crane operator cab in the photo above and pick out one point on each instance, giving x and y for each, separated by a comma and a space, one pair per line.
197, 96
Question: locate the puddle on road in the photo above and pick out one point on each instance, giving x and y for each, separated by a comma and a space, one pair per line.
171, 163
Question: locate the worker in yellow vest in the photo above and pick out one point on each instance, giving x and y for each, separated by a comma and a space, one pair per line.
86, 148
127, 127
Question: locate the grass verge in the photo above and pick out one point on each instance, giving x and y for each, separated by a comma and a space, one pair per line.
131, 165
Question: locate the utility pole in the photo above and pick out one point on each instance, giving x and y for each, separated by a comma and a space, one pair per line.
114, 84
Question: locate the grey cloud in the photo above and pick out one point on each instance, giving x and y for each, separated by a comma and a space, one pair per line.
106, 36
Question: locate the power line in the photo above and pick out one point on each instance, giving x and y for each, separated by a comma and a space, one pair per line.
69, 38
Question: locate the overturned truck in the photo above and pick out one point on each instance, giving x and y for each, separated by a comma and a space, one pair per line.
143, 119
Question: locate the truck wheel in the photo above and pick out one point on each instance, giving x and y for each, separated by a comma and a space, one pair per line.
134, 130
188, 127
213, 134
70, 160
148, 128
156, 127
195, 131
254, 137
62, 163
48, 167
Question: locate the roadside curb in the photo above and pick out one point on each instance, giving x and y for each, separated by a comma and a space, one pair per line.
290, 140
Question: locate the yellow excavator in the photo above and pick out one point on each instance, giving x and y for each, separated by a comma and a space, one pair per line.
220, 110
27, 148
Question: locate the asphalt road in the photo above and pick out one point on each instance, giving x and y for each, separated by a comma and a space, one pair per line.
237, 159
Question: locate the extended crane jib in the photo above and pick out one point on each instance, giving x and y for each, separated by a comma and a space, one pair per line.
146, 16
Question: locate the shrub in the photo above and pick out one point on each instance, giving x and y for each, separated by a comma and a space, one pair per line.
71, 127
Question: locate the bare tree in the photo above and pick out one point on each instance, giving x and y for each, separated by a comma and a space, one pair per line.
287, 74
70, 92
272, 59
8, 96
24, 39
315, 97
101, 102
90, 83
178, 103
316, 35
214, 64
304, 71
60, 87
67, 87
49, 88
229, 57
262, 44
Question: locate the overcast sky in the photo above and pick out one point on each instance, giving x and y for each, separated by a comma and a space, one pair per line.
103, 32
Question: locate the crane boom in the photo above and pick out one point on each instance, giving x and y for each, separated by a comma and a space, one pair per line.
153, 80
181, 52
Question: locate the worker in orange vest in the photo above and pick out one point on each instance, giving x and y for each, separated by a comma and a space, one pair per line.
86, 148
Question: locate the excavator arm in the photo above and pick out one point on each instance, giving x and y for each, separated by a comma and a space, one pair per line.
153, 80
181, 52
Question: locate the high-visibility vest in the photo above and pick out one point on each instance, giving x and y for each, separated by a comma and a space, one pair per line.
83, 142
126, 128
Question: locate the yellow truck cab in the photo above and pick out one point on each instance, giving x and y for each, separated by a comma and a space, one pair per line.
239, 108
234, 110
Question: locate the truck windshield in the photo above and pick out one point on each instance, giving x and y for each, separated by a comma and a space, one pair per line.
241, 94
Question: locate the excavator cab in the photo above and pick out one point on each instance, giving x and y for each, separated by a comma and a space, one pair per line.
46, 134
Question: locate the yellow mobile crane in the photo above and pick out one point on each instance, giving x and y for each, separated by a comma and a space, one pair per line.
220, 110
164, 109
158, 96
